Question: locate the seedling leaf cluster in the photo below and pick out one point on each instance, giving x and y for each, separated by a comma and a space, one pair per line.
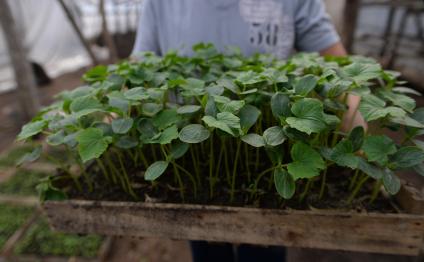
229, 125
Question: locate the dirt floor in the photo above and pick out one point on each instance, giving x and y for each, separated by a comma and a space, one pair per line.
161, 250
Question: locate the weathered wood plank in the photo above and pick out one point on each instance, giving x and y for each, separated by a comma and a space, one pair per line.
29, 201
378, 233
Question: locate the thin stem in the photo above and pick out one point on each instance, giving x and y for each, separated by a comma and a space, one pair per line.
133, 156
180, 182
227, 167
255, 187
152, 148
143, 158
323, 180
353, 180
103, 168
195, 164
211, 163
306, 190
67, 171
86, 177
113, 172
218, 166
376, 190
190, 177
246, 160
126, 178
233, 181
257, 160
357, 188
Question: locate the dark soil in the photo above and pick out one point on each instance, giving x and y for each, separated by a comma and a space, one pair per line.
166, 191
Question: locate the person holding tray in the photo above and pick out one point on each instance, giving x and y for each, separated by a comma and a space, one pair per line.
277, 27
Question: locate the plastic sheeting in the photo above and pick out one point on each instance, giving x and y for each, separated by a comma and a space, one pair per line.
48, 36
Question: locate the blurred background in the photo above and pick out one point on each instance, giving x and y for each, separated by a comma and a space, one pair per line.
62, 38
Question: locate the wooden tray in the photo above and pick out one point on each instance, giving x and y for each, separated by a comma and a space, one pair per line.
401, 234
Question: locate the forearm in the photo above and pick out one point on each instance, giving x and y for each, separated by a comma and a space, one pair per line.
335, 50
352, 117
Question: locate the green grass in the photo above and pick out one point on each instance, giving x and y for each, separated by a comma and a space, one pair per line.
42, 241
22, 183
11, 218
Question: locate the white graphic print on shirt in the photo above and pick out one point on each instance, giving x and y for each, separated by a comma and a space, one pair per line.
269, 27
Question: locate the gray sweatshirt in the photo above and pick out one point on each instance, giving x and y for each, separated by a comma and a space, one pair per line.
255, 26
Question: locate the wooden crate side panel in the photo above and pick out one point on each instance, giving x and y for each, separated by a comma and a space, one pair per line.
379, 233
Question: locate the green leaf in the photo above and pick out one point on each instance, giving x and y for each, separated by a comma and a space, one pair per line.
193, 87
229, 84
136, 94
30, 156
168, 135
166, 118
151, 109
126, 142
406, 90
122, 125
147, 129
188, 109
48, 192
419, 143
370, 170
391, 182
356, 136
194, 133
342, 154
280, 105
418, 115
231, 106
214, 123
56, 139
274, 136
309, 116
406, 121
117, 100
362, 72
85, 103
157, 94
97, 73
419, 169
306, 163
378, 148
70, 140
408, 156
178, 149
284, 183
31, 129
254, 140
249, 78
373, 108
210, 108
215, 90
91, 143
305, 85
155, 170
331, 120
193, 83
248, 116
275, 154
229, 119
403, 101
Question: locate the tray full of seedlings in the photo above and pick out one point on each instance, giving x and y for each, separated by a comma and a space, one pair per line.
222, 147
